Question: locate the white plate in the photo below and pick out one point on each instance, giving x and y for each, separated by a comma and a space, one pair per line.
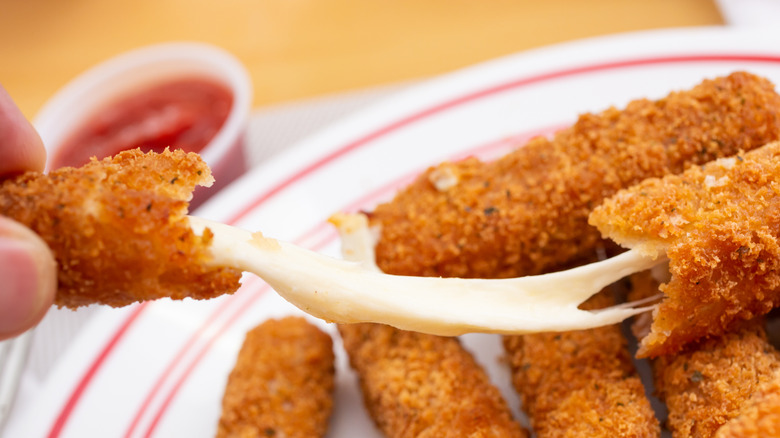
159, 369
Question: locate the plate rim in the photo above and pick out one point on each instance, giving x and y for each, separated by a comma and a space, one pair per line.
386, 105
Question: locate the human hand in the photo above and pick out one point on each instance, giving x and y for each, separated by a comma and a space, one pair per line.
28, 272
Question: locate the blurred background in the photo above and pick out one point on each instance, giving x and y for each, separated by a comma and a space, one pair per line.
303, 49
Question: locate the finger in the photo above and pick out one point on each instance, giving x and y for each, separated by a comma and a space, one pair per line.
21, 147
29, 278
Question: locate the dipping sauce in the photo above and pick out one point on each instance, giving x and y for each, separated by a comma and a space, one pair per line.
180, 114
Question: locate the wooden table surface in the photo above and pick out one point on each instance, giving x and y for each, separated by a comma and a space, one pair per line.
297, 49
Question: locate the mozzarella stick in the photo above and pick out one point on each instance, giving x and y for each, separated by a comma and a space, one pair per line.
417, 385
581, 383
719, 225
760, 418
527, 212
709, 382
282, 383
118, 228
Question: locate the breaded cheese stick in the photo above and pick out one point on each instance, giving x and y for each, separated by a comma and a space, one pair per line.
719, 225
760, 418
711, 381
282, 383
118, 228
581, 383
527, 212
417, 385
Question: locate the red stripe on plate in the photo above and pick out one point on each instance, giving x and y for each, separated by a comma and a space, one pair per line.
349, 147
86, 379
202, 352
200, 333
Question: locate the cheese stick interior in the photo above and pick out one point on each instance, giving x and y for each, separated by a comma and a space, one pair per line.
345, 291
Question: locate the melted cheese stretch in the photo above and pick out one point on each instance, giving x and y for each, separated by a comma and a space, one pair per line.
346, 291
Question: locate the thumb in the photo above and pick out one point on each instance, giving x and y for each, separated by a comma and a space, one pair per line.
28, 278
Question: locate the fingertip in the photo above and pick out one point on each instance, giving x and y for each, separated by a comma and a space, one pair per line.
20, 145
29, 274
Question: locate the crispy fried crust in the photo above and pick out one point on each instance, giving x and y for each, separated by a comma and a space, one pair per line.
581, 383
527, 212
118, 229
417, 385
720, 227
282, 383
760, 418
711, 381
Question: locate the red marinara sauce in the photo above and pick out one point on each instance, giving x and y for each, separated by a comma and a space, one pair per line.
180, 114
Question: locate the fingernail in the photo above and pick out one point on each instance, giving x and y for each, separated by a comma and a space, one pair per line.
21, 290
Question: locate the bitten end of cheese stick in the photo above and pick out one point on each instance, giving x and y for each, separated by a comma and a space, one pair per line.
118, 228
719, 225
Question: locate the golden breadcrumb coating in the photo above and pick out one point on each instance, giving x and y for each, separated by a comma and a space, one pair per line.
581, 383
118, 228
527, 212
760, 418
711, 381
282, 383
417, 385
720, 227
